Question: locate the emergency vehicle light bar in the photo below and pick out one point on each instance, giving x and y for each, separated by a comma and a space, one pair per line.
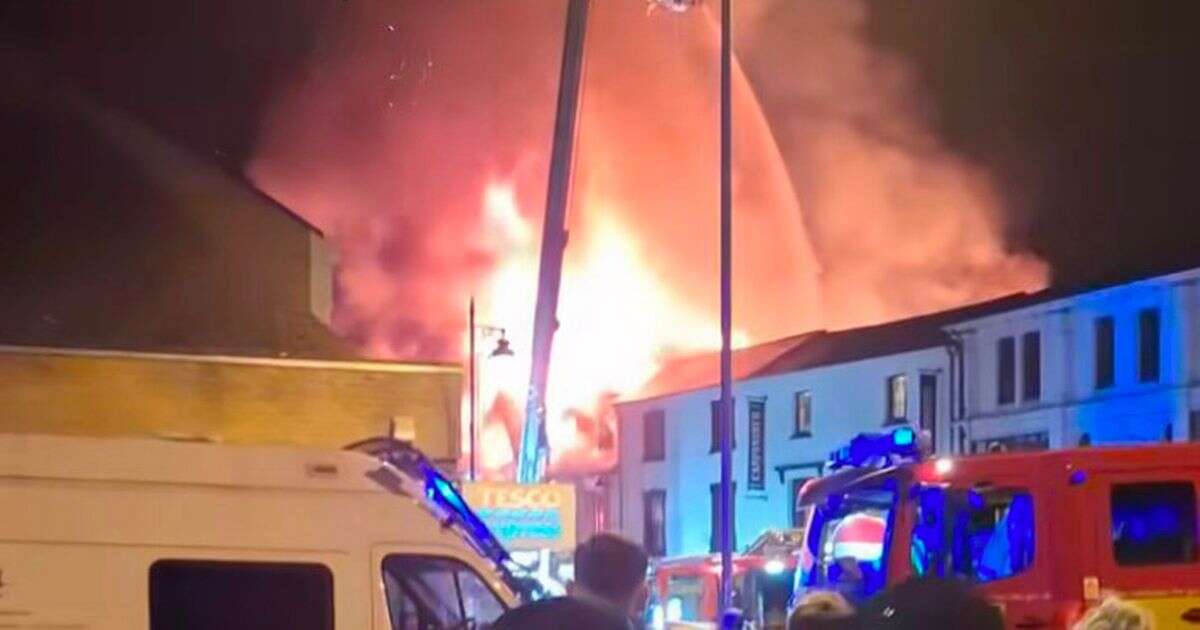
877, 449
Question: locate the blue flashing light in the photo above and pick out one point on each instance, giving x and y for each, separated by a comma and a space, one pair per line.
877, 448
442, 493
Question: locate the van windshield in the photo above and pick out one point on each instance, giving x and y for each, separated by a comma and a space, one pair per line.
847, 540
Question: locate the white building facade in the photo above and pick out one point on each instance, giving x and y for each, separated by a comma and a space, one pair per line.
813, 398
1119, 364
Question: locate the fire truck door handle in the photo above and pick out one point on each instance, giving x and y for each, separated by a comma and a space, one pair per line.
1191, 615
1032, 622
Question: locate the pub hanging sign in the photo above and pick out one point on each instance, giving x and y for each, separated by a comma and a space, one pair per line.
756, 474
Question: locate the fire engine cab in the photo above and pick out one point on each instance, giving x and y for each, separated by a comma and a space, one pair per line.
1043, 535
686, 589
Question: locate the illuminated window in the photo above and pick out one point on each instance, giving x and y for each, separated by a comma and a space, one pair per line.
654, 436
654, 522
1149, 339
1006, 370
1105, 329
1154, 523
214, 595
897, 398
802, 426
1031, 366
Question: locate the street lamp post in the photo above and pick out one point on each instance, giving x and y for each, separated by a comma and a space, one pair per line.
726, 413
502, 349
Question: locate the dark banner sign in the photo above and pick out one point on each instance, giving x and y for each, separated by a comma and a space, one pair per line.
756, 475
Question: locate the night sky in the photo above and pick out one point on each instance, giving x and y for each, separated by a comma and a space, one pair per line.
1077, 108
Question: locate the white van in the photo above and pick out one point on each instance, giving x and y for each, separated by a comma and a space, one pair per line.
125, 534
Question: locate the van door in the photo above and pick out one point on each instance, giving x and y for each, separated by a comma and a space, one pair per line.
1147, 542
432, 589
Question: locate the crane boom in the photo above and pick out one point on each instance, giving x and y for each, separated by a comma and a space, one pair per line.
534, 451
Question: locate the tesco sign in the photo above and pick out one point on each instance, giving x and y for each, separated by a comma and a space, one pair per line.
526, 516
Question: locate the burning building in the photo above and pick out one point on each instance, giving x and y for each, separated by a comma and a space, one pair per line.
424, 159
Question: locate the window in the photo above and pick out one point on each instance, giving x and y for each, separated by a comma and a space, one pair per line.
1104, 352
1031, 366
928, 402
897, 398
1037, 441
1154, 523
714, 539
799, 513
715, 410
1006, 370
1149, 328
976, 535
211, 595
654, 436
848, 539
1194, 426
802, 419
430, 592
654, 522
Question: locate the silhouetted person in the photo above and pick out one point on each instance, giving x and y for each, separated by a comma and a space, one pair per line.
608, 593
822, 611
930, 604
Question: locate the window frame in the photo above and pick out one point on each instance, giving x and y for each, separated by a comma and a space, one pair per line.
1006, 370
890, 417
1104, 337
715, 425
654, 418
153, 575
1183, 481
418, 602
806, 430
656, 548
949, 532
714, 506
1149, 361
1031, 370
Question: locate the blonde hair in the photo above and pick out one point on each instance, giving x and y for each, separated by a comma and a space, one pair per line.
819, 605
1116, 614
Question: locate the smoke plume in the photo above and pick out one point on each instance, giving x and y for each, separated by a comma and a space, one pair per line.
419, 143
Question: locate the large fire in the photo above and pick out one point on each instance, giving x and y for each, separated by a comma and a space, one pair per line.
424, 160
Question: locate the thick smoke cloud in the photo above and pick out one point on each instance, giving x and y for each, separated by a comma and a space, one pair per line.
419, 143
901, 225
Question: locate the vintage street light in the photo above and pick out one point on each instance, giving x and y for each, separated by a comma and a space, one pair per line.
503, 349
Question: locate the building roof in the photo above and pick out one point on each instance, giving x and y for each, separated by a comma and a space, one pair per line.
821, 347
816, 348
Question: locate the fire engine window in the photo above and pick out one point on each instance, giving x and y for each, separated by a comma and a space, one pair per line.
1154, 523
847, 542
979, 536
428, 593
207, 595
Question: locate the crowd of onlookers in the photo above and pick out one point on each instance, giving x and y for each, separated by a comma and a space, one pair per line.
924, 604
610, 592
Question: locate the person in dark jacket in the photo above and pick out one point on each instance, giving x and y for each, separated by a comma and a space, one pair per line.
929, 603
608, 593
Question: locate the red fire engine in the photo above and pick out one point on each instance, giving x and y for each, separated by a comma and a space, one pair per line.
1043, 535
686, 589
